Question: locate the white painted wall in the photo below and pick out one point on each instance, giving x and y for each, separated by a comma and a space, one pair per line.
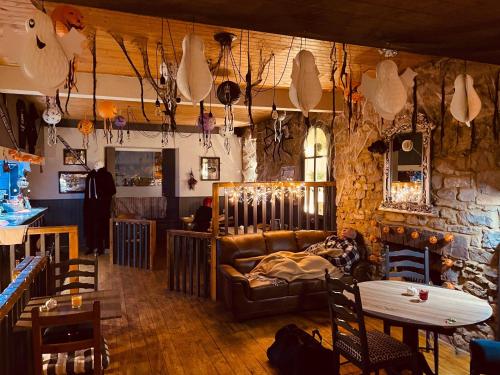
44, 185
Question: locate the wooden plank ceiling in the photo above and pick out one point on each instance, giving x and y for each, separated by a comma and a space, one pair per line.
131, 26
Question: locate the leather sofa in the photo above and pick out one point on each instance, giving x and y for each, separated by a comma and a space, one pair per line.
246, 299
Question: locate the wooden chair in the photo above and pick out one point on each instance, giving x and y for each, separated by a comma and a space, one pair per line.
63, 357
62, 272
411, 265
368, 350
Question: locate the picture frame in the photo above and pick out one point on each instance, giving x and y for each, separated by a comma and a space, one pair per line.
71, 182
287, 173
209, 168
69, 159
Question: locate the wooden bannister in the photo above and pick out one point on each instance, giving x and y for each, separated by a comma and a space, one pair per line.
188, 256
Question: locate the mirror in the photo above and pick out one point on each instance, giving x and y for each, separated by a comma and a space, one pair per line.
407, 166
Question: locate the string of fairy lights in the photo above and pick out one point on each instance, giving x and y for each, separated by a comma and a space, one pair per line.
259, 194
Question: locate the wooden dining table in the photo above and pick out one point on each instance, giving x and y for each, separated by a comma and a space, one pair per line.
445, 309
109, 300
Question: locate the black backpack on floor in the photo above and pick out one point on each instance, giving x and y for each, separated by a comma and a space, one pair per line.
295, 352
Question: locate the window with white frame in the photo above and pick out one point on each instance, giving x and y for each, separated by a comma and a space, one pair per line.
315, 166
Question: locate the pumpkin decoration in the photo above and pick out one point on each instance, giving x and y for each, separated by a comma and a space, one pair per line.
65, 18
305, 90
415, 235
107, 111
433, 240
194, 79
400, 230
386, 229
86, 127
120, 123
448, 237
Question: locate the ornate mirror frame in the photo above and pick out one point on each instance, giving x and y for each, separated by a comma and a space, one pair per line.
403, 124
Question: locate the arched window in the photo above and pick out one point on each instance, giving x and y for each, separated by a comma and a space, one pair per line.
315, 165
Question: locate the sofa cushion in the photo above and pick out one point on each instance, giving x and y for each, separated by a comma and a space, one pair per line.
260, 290
306, 238
280, 240
300, 286
245, 265
241, 246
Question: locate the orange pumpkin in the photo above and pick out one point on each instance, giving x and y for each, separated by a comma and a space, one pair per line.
415, 235
85, 127
386, 229
107, 109
400, 230
448, 237
433, 240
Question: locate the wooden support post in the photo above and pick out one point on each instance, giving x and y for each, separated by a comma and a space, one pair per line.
213, 240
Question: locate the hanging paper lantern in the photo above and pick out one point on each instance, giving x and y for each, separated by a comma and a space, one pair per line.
43, 55
107, 111
388, 91
194, 79
65, 18
86, 127
465, 104
305, 90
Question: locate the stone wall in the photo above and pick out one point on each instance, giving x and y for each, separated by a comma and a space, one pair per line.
465, 180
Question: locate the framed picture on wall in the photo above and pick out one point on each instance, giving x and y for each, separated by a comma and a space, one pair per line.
72, 182
69, 158
287, 173
210, 168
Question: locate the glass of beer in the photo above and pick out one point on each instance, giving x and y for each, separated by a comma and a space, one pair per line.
76, 301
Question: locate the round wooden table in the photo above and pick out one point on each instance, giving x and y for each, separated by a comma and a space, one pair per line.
444, 309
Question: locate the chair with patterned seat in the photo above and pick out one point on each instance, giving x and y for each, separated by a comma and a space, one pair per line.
368, 350
89, 355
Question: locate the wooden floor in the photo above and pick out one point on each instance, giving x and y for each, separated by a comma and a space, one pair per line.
164, 332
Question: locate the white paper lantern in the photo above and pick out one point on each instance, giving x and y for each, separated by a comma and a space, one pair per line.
465, 104
388, 91
194, 79
305, 90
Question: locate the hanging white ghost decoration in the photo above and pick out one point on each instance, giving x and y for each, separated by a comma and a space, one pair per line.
465, 104
388, 91
43, 55
305, 90
194, 79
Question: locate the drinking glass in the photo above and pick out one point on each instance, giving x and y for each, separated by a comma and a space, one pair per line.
76, 301
423, 294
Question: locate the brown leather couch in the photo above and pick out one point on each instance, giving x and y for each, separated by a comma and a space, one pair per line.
240, 254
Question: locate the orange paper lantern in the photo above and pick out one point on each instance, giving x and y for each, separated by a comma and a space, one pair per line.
433, 240
386, 229
415, 235
400, 230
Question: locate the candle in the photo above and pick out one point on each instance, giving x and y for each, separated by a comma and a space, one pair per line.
76, 301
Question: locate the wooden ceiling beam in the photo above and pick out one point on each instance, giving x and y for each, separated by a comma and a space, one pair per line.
123, 88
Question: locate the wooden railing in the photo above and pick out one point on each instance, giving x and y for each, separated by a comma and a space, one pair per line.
188, 257
31, 281
133, 242
36, 243
250, 207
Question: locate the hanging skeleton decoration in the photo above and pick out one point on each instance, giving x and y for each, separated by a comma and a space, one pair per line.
120, 122
275, 143
86, 127
465, 104
228, 94
52, 116
107, 111
305, 90
388, 91
45, 57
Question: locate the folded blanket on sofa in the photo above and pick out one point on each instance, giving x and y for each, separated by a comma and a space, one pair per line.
290, 266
